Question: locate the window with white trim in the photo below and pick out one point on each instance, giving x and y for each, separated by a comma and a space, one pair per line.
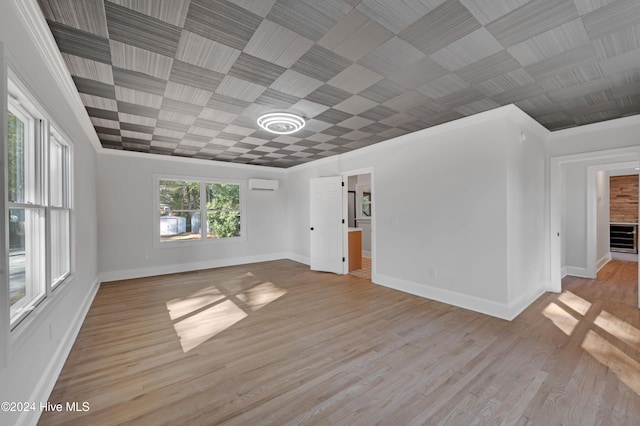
59, 208
38, 206
199, 210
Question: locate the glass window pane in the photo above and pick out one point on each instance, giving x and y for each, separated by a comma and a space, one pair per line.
26, 259
17, 272
60, 245
16, 157
223, 196
223, 224
180, 226
178, 195
223, 210
180, 216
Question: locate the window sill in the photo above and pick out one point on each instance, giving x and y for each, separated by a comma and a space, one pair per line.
39, 317
195, 243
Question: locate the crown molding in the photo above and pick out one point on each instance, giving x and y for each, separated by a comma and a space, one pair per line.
36, 26
632, 120
189, 160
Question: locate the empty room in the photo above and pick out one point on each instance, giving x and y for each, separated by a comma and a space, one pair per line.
341, 212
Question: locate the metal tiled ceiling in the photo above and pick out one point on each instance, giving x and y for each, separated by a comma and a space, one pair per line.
190, 77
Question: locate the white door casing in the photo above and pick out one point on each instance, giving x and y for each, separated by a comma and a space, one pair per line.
326, 195
606, 157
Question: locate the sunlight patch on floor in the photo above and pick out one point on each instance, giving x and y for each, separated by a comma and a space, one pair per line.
575, 302
620, 329
560, 318
198, 328
205, 297
626, 368
207, 312
613, 354
261, 295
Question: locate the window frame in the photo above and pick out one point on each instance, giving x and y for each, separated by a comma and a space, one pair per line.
54, 135
5, 335
20, 101
203, 240
33, 202
361, 189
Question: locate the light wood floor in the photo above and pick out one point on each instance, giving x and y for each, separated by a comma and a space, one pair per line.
298, 347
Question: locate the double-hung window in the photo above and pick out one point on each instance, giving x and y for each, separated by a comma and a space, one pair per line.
59, 209
26, 213
199, 210
38, 207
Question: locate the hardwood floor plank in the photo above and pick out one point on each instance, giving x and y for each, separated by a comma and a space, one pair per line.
275, 343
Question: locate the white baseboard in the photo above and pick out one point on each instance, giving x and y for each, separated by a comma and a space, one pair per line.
576, 271
54, 368
299, 258
484, 306
186, 267
520, 304
603, 261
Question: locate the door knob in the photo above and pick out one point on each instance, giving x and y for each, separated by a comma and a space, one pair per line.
312, 228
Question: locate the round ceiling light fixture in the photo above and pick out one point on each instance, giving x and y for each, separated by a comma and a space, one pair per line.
282, 123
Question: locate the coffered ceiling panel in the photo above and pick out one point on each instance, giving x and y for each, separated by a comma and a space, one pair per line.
190, 77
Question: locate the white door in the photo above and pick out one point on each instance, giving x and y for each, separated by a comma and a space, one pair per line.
326, 224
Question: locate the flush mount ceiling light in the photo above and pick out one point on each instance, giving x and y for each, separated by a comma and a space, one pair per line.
282, 123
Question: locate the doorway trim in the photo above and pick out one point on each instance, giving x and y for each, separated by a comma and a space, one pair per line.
592, 201
605, 158
374, 252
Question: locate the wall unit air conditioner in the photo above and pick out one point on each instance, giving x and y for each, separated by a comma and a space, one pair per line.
263, 184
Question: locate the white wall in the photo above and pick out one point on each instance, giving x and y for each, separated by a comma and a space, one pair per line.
526, 213
457, 217
351, 182
39, 345
575, 223
440, 210
364, 179
126, 228
611, 134
602, 218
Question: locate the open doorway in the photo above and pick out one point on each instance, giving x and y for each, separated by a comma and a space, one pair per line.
612, 213
580, 229
359, 230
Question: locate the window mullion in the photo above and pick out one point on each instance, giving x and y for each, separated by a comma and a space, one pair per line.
66, 167
204, 221
45, 146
